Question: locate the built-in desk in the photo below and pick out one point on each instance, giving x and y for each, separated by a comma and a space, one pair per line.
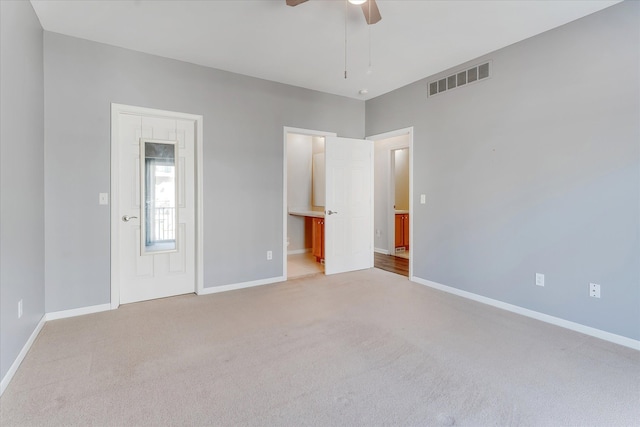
308, 213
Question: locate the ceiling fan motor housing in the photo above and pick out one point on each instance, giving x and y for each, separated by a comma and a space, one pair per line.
369, 8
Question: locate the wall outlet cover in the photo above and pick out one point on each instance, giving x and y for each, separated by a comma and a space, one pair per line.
594, 290
539, 279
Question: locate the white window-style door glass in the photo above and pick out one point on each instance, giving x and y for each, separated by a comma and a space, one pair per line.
156, 203
349, 205
159, 182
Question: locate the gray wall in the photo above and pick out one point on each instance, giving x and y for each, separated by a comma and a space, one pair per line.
535, 170
21, 178
243, 159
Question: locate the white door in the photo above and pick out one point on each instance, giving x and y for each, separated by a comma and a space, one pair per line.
156, 245
349, 205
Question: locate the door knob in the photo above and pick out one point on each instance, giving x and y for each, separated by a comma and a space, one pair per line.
127, 218
331, 212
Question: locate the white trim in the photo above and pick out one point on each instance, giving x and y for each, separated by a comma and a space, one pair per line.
25, 349
391, 134
199, 203
381, 251
308, 132
285, 131
77, 312
243, 285
587, 330
391, 198
45, 318
299, 251
391, 224
115, 208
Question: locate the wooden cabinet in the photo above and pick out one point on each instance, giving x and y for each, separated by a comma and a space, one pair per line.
317, 238
402, 231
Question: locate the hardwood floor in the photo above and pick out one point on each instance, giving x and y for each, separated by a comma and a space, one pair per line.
391, 263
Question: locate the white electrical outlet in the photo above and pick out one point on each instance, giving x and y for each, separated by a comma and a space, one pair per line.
594, 290
103, 198
423, 199
378, 233
539, 279
19, 309
269, 255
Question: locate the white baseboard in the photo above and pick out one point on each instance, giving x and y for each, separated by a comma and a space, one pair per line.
77, 312
381, 251
587, 330
25, 349
45, 318
233, 287
298, 251
106, 307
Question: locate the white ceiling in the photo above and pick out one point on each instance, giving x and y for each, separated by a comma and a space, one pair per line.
304, 45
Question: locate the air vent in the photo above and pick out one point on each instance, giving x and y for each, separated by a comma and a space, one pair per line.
461, 78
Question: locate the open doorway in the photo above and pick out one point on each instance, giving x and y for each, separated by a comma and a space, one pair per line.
328, 203
304, 202
400, 187
393, 189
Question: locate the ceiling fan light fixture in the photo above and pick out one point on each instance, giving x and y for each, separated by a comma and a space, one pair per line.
357, 2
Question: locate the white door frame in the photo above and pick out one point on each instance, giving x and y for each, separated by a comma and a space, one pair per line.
391, 215
285, 214
117, 109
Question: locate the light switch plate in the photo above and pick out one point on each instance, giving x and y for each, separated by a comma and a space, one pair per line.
104, 198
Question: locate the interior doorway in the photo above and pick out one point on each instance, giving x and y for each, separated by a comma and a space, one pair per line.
327, 203
156, 194
303, 207
393, 215
399, 186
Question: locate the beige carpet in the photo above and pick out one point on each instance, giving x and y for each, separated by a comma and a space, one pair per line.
358, 349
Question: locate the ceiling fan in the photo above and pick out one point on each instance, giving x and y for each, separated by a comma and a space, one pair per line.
369, 8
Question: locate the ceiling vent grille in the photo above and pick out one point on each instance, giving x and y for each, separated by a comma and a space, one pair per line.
461, 78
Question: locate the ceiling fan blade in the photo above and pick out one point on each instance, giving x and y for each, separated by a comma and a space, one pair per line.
295, 2
371, 12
